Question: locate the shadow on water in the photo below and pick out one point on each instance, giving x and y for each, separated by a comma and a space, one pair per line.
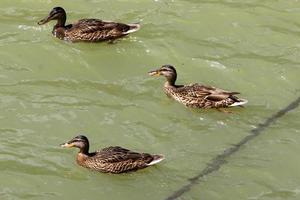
217, 162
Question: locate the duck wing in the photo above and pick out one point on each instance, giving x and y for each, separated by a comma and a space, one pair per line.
96, 30
117, 160
116, 154
205, 92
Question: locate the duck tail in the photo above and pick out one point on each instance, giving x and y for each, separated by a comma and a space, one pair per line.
156, 159
133, 28
240, 102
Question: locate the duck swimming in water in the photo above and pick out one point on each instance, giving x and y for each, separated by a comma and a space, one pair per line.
112, 159
87, 30
196, 95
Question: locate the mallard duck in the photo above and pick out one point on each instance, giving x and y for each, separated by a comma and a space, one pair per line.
112, 159
196, 95
88, 30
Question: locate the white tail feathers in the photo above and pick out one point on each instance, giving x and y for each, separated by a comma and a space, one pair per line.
156, 159
242, 102
133, 28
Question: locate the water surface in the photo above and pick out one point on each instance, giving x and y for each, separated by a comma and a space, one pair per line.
52, 90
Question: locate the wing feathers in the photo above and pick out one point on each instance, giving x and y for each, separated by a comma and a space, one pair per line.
96, 30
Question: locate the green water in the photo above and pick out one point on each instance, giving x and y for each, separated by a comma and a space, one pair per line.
52, 90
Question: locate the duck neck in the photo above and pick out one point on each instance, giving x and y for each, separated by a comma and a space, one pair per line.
61, 21
85, 149
171, 80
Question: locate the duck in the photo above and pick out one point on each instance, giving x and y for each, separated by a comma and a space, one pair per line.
113, 159
196, 95
86, 30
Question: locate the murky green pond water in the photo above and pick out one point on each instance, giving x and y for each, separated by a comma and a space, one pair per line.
52, 90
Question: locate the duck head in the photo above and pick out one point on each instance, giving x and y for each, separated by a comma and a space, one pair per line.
80, 142
167, 71
57, 13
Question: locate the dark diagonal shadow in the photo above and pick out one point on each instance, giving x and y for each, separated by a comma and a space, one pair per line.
216, 163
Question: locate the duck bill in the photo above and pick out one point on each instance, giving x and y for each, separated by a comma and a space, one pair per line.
154, 73
45, 20
67, 145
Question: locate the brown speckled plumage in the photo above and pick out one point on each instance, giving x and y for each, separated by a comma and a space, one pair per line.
112, 159
196, 95
87, 30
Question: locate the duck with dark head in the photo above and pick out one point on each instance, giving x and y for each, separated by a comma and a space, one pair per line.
112, 159
87, 30
196, 95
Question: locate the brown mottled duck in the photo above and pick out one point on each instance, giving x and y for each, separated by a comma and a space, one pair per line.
87, 30
196, 95
112, 159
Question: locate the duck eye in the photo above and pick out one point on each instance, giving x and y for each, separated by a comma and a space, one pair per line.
53, 13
